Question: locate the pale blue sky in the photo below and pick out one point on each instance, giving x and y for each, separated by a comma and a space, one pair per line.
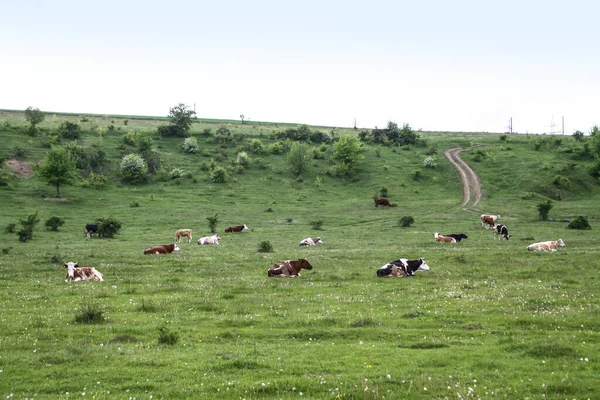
437, 65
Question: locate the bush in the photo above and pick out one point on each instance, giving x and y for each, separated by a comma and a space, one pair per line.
212, 222
89, 313
243, 159
256, 146
276, 148
10, 228
176, 173
218, 175
579, 223
406, 221
96, 181
69, 130
54, 223
317, 224
544, 209
383, 192
166, 336
108, 227
134, 169
265, 247
190, 145
429, 162
134, 204
28, 225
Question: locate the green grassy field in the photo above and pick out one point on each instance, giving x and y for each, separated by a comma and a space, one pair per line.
489, 320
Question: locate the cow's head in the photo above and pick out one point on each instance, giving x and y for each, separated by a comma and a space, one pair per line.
423, 266
560, 243
303, 262
71, 268
317, 240
175, 247
245, 228
216, 236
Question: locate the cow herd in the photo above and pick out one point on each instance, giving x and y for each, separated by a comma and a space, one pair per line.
291, 268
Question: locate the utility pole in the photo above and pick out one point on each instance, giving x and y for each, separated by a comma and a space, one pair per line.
563, 125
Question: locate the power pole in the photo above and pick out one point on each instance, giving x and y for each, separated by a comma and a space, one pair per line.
563, 126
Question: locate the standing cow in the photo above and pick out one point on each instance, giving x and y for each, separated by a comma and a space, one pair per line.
91, 228
181, 233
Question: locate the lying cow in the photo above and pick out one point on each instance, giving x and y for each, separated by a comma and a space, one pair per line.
401, 268
214, 239
237, 228
181, 233
91, 228
288, 268
457, 236
501, 231
162, 249
551, 245
311, 241
75, 273
441, 238
488, 221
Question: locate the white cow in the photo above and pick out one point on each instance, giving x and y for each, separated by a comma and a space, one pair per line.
214, 239
75, 273
551, 245
311, 241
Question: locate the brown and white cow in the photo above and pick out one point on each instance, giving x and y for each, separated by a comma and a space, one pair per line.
288, 268
402, 267
551, 245
214, 239
162, 249
311, 241
181, 233
501, 231
446, 239
237, 228
75, 273
488, 221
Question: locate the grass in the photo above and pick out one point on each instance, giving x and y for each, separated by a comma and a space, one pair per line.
489, 320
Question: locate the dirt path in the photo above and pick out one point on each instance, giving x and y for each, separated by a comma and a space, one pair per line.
467, 175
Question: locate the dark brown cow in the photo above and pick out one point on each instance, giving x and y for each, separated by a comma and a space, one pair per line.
162, 249
382, 202
237, 228
288, 268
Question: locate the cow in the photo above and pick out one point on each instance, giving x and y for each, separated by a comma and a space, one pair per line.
457, 236
91, 228
489, 221
75, 273
402, 267
501, 231
382, 202
214, 239
288, 268
237, 228
440, 238
310, 241
162, 249
551, 245
183, 233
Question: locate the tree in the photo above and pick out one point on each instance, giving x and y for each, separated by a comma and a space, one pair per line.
544, 209
58, 168
26, 233
242, 117
181, 117
134, 169
34, 116
348, 151
299, 157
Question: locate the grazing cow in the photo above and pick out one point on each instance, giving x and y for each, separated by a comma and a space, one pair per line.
501, 231
75, 273
237, 228
311, 241
440, 238
214, 239
382, 202
91, 228
402, 267
551, 245
162, 249
457, 236
489, 221
288, 268
183, 233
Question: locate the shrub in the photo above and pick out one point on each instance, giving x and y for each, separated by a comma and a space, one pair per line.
212, 222
89, 313
28, 225
176, 173
316, 224
190, 145
243, 159
256, 146
134, 204
10, 228
544, 209
134, 169
166, 336
417, 175
96, 181
276, 148
108, 227
579, 223
406, 221
69, 130
265, 247
218, 175
383, 192
54, 223
429, 162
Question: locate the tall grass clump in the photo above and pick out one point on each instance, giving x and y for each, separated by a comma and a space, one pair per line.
90, 312
265, 246
166, 336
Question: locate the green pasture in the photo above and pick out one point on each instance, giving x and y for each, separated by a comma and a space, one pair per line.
489, 320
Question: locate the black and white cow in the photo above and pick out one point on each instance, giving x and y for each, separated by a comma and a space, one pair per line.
402, 267
458, 236
501, 231
91, 228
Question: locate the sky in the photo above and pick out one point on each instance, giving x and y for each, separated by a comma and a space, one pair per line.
460, 66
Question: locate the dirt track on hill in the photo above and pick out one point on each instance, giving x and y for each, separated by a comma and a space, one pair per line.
467, 175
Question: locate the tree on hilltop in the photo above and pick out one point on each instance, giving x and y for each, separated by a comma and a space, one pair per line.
180, 118
34, 116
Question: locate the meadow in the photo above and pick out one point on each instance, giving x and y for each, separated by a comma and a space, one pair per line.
489, 320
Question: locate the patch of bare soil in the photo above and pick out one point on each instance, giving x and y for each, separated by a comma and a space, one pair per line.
20, 168
467, 175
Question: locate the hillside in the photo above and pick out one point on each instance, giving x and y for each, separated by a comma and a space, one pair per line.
489, 319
